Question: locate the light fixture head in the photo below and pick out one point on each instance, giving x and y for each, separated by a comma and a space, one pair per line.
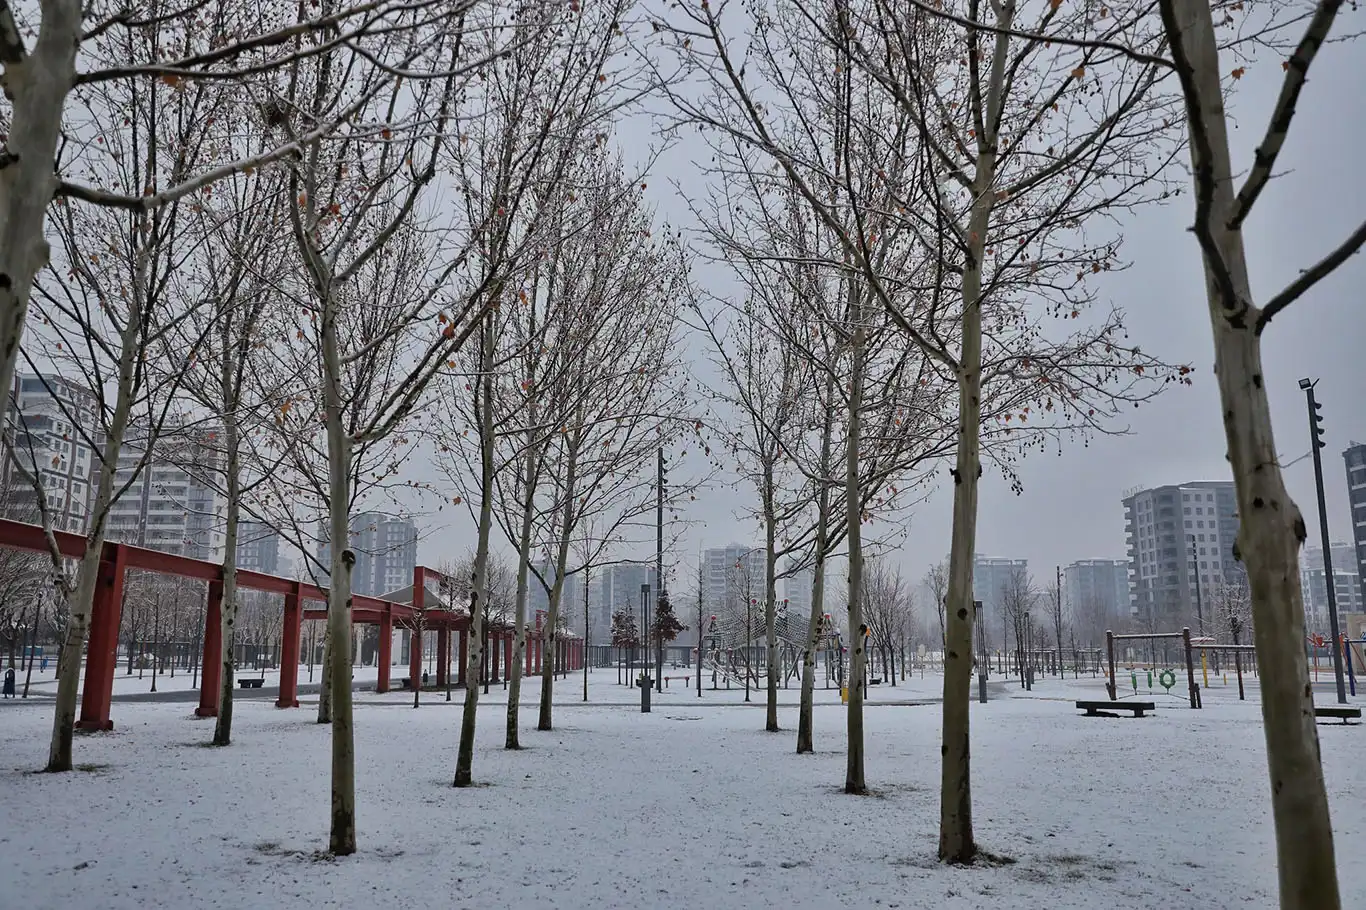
1306, 384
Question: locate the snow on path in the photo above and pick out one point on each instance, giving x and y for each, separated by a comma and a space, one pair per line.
692, 805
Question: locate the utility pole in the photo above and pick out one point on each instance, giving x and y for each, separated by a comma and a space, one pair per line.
1316, 442
586, 635
659, 556
699, 624
1058, 624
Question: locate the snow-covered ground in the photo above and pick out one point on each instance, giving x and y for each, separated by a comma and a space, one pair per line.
691, 805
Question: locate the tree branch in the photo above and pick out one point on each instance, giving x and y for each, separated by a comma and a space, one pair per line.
1312, 276
1297, 68
12, 50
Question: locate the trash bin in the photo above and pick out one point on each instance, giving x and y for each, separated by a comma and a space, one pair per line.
644, 682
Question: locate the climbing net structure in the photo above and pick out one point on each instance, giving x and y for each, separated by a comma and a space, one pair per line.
736, 644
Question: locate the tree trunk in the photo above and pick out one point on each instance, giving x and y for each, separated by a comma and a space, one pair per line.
325, 683
222, 730
550, 633
156, 638
36, 84
1271, 529
805, 738
464, 763
80, 603
342, 839
771, 601
514, 670
956, 842
853, 777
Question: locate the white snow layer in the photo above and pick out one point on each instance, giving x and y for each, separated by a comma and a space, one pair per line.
691, 806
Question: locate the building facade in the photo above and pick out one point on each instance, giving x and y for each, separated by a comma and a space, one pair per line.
258, 548
1180, 549
571, 597
170, 502
616, 588
1102, 584
44, 436
990, 577
1346, 586
386, 552
728, 572
796, 590
1355, 461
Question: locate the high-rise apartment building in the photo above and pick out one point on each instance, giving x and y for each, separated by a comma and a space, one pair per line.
258, 547
1355, 461
796, 590
1098, 587
386, 552
1176, 535
45, 439
571, 596
1346, 585
170, 500
990, 578
730, 574
616, 588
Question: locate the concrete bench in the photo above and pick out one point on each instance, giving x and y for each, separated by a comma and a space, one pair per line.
1345, 713
1103, 708
250, 683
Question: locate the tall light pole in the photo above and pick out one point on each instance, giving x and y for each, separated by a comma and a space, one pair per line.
659, 554
1315, 443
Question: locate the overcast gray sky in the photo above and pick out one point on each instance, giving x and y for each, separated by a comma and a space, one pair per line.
1070, 508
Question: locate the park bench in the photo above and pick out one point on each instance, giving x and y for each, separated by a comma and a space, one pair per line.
684, 678
250, 683
1103, 708
406, 683
1344, 712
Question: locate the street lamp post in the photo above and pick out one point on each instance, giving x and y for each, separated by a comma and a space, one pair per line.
1315, 443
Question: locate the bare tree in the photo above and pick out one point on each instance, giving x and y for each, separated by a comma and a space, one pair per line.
937, 581
994, 204
888, 610
112, 293
186, 49
1271, 528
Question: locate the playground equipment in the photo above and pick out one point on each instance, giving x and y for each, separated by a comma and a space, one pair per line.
1184, 635
737, 647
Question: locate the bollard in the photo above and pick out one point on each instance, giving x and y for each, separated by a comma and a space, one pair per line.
644, 683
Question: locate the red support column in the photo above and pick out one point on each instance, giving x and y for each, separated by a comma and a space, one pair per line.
507, 655
540, 655
103, 646
415, 656
211, 674
291, 631
530, 653
443, 655
460, 674
386, 649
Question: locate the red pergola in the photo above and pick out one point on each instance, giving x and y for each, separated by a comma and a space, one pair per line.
117, 558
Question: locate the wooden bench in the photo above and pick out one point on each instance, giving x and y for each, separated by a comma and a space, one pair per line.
684, 678
1345, 712
1103, 708
250, 683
